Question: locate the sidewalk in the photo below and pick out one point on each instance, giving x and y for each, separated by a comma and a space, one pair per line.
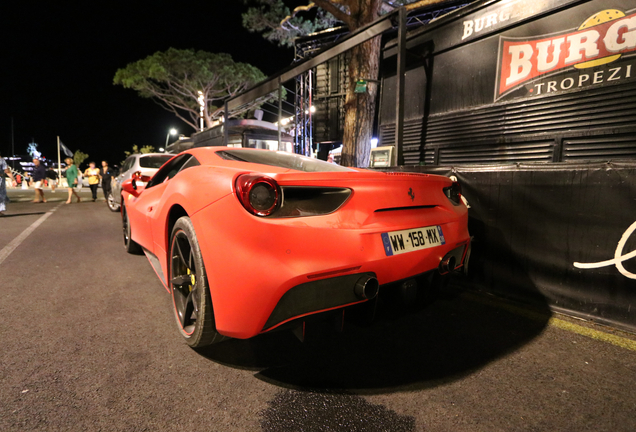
60, 194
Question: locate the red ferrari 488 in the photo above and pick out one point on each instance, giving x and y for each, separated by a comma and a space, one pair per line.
249, 240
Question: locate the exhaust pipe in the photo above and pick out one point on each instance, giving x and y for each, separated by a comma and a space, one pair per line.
366, 288
447, 265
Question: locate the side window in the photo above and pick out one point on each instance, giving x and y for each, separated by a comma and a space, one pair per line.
170, 169
127, 164
192, 162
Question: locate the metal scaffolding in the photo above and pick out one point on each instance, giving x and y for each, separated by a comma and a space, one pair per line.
303, 130
309, 45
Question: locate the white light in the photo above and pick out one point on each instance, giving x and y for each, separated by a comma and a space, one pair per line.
374, 142
161, 149
312, 109
172, 131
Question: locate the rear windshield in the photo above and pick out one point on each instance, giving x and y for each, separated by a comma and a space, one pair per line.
281, 160
153, 161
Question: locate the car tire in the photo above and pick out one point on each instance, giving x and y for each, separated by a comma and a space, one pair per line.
129, 244
112, 205
188, 286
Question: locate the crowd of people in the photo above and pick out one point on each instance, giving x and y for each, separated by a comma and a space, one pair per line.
93, 174
40, 177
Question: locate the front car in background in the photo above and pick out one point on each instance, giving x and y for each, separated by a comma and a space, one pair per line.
146, 163
247, 241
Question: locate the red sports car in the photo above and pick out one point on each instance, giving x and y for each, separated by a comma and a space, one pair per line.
248, 240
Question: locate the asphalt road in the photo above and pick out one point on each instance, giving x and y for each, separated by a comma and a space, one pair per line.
88, 343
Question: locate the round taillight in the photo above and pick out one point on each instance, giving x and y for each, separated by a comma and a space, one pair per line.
260, 195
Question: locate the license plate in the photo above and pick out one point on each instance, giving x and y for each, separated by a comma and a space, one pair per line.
398, 242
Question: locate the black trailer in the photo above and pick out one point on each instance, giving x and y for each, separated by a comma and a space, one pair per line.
240, 133
532, 105
517, 81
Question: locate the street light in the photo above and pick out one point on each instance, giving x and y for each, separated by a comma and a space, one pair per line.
173, 131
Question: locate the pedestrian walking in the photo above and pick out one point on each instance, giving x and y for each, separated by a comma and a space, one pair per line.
4, 169
93, 178
107, 176
52, 176
71, 178
39, 174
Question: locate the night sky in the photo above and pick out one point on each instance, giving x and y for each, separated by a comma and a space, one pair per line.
59, 59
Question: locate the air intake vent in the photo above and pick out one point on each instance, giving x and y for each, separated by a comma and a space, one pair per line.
611, 106
412, 139
541, 151
429, 156
527, 130
599, 148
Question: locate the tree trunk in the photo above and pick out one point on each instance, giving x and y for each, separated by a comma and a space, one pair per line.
360, 107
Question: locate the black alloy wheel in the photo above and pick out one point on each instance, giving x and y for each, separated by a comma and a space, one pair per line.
112, 204
129, 244
189, 287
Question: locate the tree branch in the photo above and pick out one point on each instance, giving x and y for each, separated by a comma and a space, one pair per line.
422, 3
295, 11
333, 10
174, 78
175, 112
172, 101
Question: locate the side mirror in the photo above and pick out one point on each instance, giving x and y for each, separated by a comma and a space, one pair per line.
130, 186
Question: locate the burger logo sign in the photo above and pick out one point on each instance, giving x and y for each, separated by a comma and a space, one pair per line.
600, 40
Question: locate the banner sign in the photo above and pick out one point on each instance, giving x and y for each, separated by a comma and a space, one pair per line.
511, 50
599, 41
490, 18
499, 15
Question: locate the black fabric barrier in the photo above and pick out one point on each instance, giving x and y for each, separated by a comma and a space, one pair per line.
555, 233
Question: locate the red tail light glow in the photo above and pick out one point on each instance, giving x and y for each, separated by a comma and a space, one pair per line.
259, 194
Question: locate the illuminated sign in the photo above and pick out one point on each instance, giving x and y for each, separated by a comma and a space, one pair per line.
600, 40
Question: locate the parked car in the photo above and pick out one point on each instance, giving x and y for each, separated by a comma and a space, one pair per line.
248, 240
147, 164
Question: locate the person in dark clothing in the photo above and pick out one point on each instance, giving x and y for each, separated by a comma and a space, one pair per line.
107, 175
51, 175
38, 176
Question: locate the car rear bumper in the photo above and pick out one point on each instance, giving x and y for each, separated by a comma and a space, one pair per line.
338, 292
316, 296
265, 272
